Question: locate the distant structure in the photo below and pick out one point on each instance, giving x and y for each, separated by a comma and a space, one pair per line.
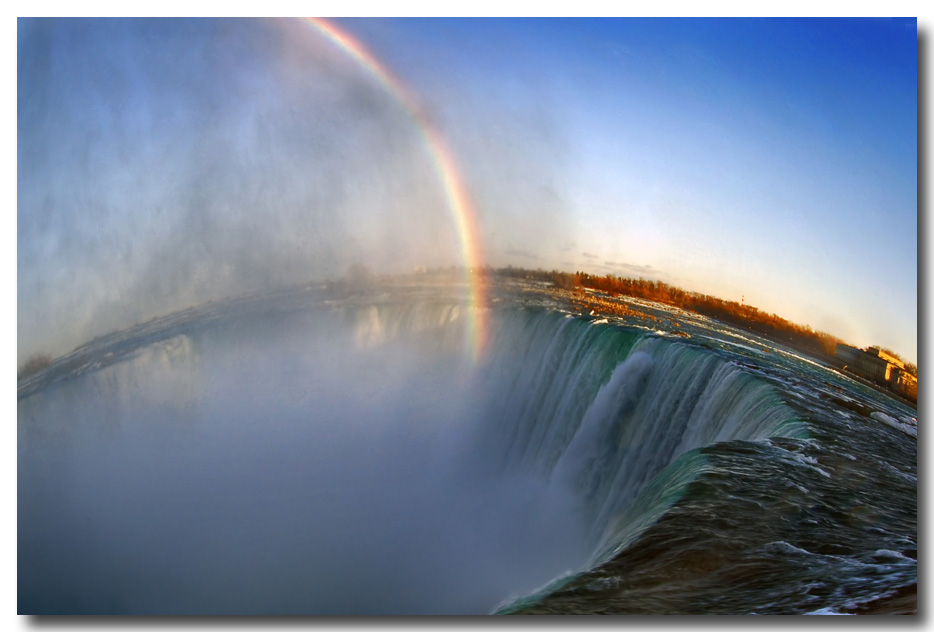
880, 367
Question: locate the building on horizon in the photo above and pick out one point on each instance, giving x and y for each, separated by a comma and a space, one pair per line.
882, 368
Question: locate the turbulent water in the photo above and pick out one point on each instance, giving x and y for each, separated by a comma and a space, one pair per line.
335, 451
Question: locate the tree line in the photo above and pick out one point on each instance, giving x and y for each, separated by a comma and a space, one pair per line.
730, 312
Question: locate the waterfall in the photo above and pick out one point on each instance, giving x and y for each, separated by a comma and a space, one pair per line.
363, 428
601, 409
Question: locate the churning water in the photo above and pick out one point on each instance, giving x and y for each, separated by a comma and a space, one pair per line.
336, 452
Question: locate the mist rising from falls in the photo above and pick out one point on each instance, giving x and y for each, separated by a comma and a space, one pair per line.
348, 459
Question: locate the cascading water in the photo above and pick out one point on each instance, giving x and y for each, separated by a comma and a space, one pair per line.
601, 410
337, 453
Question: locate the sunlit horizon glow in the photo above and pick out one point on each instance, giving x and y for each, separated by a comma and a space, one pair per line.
448, 172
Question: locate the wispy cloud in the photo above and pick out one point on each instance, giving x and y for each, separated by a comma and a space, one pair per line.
519, 252
628, 269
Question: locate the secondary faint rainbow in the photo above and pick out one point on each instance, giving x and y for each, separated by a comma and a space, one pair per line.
444, 163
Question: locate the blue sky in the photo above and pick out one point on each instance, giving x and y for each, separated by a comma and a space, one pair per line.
163, 163
768, 159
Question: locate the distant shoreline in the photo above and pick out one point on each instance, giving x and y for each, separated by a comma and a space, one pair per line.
575, 290
580, 297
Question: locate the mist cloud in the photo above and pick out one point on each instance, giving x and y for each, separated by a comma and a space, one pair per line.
278, 467
164, 163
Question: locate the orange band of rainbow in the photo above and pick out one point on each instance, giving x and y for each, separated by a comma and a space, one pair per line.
448, 173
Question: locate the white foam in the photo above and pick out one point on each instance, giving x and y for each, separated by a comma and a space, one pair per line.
828, 611
908, 429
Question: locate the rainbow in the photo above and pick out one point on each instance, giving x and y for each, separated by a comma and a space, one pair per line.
448, 173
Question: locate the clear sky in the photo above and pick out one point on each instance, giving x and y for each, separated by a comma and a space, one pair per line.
162, 163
